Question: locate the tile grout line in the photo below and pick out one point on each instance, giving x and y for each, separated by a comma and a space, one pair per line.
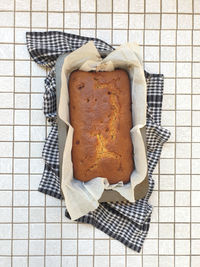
158, 179
29, 144
62, 211
174, 233
46, 134
142, 252
13, 140
191, 149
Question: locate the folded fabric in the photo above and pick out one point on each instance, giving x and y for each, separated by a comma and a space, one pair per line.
127, 222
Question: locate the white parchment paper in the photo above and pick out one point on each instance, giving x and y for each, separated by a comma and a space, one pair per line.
82, 197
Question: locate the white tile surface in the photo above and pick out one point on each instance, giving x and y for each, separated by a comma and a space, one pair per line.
38, 221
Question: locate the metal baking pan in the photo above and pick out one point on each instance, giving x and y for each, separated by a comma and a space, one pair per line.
108, 195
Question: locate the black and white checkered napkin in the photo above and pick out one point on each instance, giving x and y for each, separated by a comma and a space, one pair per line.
124, 221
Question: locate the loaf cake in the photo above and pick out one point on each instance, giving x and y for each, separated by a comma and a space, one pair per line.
100, 113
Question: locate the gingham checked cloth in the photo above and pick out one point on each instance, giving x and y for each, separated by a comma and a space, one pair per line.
126, 222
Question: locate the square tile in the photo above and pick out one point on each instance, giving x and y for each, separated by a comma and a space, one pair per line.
119, 37
85, 247
55, 20
39, 19
38, 5
195, 246
168, 37
166, 214
53, 261
36, 261
136, 6
195, 102
53, 247
22, 117
20, 182
166, 166
183, 261
150, 247
182, 166
21, 133
182, 231
151, 53
72, 20
69, 247
5, 247
69, 230
182, 247
6, 148
6, 165
169, 6
182, 198
22, 19
104, 20
117, 261
183, 150
56, 5
168, 21
20, 231
183, 134
183, 118
37, 214
167, 182
20, 261
184, 53
195, 118
20, 198
117, 248
74, 5
136, 21
104, 35
22, 68
36, 149
5, 231
195, 166
21, 165
167, 53
195, 231
151, 37
152, 21
85, 231
120, 21
166, 247
166, 260
184, 21
22, 5
182, 182
166, 230
6, 182
37, 199
183, 86
120, 5
20, 215
150, 261
53, 230
6, 51
36, 247
101, 247
184, 37
21, 149
183, 70
88, 6
7, 19
182, 214
87, 20
100, 261
152, 6
166, 198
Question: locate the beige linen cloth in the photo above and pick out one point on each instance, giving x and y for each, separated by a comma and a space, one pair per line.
82, 197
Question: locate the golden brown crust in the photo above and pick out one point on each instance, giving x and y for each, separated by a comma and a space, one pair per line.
100, 113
